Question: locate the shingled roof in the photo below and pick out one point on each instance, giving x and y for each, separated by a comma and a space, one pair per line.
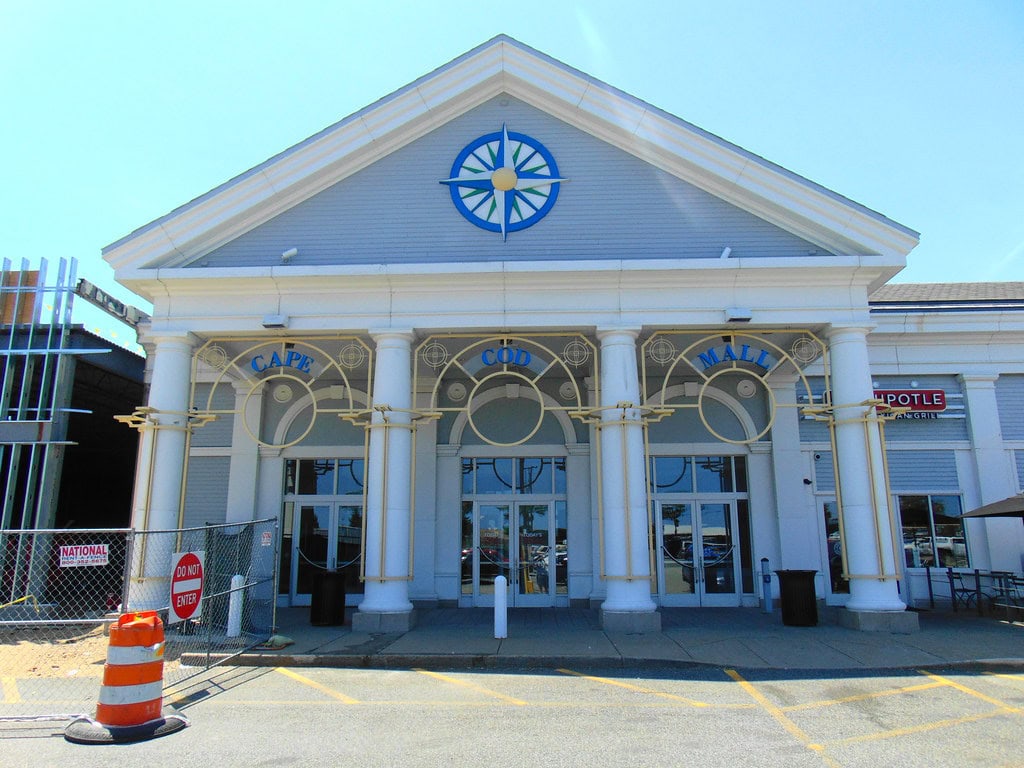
951, 295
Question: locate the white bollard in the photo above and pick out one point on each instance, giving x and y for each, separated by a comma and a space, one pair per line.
766, 587
235, 606
500, 607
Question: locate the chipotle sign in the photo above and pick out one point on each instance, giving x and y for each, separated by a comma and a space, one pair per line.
917, 400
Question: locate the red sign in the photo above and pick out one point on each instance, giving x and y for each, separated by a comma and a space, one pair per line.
186, 586
917, 400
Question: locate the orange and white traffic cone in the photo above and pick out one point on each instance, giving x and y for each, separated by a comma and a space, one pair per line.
130, 704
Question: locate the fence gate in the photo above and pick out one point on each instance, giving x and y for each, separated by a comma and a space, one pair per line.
60, 590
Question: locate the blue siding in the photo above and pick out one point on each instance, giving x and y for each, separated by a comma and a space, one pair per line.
924, 471
824, 472
397, 211
1010, 397
217, 433
1019, 456
206, 495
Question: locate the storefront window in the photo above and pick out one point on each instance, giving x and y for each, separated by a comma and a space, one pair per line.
714, 474
540, 475
933, 532
323, 477
671, 474
834, 548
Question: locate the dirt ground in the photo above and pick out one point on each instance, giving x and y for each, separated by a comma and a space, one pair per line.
55, 651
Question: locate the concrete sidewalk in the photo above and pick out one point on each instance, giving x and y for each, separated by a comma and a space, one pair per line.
733, 637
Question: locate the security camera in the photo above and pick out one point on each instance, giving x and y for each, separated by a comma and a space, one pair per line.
287, 255
817, 457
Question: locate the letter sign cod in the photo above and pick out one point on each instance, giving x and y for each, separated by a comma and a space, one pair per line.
186, 586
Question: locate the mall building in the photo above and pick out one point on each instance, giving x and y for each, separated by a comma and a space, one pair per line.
511, 321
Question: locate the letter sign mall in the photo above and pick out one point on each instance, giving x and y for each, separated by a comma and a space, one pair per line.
186, 586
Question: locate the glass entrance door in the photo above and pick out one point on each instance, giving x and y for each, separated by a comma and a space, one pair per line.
325, 536
520, 541
698, 560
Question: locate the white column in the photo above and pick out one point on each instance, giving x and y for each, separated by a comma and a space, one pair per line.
623, 478
159, 474
798, 529
243, 474
994, 540
861, 476
388, 477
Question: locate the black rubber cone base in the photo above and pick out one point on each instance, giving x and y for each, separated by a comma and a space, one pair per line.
85, 730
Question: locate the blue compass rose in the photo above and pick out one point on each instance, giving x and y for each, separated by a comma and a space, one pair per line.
504, 182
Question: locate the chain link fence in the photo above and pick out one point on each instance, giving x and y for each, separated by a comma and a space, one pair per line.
214, 588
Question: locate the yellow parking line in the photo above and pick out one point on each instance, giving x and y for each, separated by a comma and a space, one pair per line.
861, 697
473, 686
313, 684
637, 688
792, 728
916, 728
9, 688
970, 691
1005, 675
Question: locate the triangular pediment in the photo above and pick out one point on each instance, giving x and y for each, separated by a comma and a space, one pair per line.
503, 76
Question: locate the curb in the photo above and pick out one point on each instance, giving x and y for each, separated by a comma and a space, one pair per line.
467, 661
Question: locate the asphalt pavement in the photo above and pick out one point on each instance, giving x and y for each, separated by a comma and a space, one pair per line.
745, 638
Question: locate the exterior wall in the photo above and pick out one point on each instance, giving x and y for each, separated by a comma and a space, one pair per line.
381, 215
657, 226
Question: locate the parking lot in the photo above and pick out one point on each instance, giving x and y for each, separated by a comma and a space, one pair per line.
713, 716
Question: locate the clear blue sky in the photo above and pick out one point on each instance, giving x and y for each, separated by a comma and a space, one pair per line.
114, 113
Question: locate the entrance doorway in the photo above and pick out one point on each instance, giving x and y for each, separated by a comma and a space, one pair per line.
523, 541
323, 537
699, 553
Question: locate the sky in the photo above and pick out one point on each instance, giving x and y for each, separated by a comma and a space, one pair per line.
114, 113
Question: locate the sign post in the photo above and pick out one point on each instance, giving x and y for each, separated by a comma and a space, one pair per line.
186, 586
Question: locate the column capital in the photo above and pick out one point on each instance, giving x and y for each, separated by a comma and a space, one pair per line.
979, 380
380, 335
609, 332
159, 339
843, 332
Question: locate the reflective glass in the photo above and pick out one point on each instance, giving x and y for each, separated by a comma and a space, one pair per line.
559, 475
533, 475
316, 476
494, 476
677, 548
834, 549
918, 549
672, 474
714, 474
350, 476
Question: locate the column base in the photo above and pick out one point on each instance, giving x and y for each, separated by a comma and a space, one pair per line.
377, 622
897, 622
632, 622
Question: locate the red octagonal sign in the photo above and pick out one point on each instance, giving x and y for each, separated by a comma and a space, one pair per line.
186, 586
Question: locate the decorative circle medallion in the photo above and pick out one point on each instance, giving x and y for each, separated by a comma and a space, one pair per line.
504, 182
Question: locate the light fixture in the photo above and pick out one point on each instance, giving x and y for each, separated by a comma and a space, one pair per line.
287, 255
738, 315
275, 321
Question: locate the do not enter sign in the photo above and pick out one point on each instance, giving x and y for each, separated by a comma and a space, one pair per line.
186, 586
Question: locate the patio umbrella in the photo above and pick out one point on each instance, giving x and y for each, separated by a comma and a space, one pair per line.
1011, 507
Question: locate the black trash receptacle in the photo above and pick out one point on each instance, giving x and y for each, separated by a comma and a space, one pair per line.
799, 603
327, 606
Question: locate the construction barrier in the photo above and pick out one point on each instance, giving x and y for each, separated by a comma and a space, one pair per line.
130, 706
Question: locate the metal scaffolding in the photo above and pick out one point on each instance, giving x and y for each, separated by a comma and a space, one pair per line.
35, 323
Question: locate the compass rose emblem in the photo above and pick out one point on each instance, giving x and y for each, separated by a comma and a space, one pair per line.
504, 182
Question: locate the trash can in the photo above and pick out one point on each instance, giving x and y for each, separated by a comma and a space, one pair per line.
327, 606
799, 603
